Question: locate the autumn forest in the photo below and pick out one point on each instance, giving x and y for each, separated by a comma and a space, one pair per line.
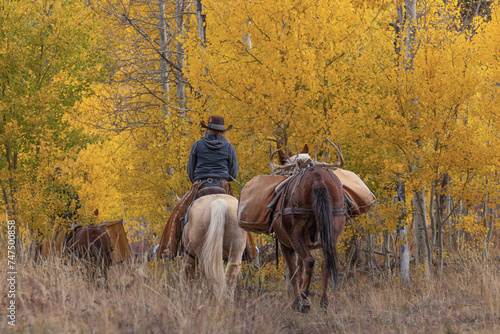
108, 96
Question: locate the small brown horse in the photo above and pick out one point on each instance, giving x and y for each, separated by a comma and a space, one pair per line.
91, 245
212, 234
310, 214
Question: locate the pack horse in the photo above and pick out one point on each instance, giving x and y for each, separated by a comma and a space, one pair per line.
307, 213
93, 246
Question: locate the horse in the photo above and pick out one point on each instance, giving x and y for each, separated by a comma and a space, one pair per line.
91, 245
310, 214
53, 242
211, 235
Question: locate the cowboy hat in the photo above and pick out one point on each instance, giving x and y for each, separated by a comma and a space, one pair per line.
216, 123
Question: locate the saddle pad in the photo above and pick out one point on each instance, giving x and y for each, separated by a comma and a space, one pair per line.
360, 198
253, 213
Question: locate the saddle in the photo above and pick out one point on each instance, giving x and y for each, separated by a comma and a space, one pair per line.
210, 191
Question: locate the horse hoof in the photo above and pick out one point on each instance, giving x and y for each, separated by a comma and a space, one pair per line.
302, 305
306, 307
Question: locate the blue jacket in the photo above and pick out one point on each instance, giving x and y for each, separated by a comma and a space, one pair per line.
212, 156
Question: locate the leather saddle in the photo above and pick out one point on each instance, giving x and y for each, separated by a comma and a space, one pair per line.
210, 191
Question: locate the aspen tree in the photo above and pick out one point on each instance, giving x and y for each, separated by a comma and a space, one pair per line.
51, 53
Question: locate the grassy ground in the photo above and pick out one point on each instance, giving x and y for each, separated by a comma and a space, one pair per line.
55, 298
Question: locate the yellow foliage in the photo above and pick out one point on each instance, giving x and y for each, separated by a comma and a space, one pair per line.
282, 72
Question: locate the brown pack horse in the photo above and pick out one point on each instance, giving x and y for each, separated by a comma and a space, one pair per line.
91, 245
211, 235
310, 214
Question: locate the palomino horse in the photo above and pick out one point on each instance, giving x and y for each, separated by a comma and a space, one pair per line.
310, 214
211, 235
91, 245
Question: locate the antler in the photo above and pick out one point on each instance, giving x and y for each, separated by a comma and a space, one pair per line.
274, 166
315, 160
338, 164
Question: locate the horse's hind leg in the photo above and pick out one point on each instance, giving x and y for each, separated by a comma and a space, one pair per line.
234, 268
300, 303
189, 267
307, 264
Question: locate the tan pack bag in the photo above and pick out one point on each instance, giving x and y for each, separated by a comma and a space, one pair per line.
360, 199
119, 240
253, 213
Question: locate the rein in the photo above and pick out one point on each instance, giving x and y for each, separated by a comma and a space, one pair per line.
232, 178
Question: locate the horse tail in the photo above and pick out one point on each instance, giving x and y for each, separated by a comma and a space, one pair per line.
211, 260
322, 205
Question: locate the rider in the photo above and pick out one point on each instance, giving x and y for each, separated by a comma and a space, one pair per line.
211, 166
213, 159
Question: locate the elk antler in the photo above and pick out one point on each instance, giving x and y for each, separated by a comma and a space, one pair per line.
338, 164
315, 160
274, 166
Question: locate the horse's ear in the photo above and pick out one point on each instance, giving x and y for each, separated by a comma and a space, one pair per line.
96, 212
305, 150
177, 198
282, 157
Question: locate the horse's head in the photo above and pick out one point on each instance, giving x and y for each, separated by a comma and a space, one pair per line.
302, 160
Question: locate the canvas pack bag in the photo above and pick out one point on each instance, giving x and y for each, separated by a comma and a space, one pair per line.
253, 213
359, 198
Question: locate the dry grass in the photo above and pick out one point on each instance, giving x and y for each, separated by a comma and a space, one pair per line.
55, 298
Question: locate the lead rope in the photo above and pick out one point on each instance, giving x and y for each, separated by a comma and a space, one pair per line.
277, 253
232, 178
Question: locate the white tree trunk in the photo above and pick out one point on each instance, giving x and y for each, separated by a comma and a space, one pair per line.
200, 17
421, 235
164, 72
404, 251
181, 89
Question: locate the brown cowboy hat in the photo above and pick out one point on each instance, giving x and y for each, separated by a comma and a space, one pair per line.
216, 123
